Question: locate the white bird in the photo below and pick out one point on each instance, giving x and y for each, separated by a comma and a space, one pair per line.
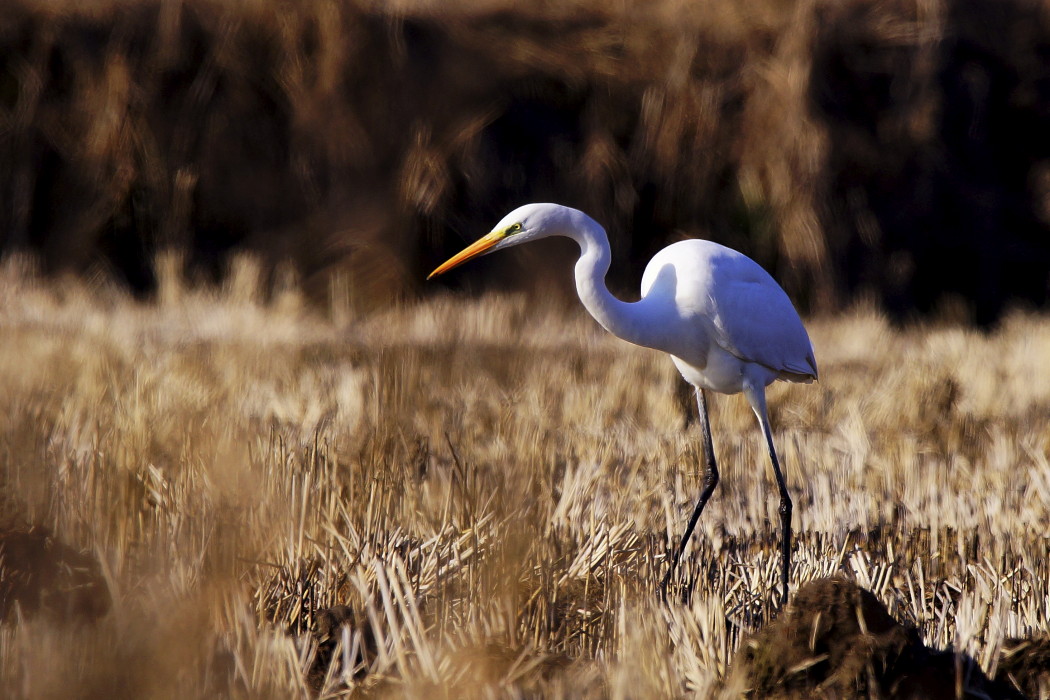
727, 325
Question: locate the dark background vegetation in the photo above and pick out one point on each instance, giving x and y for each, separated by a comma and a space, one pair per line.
898, 150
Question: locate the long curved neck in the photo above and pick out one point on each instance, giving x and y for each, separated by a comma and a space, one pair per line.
629, 321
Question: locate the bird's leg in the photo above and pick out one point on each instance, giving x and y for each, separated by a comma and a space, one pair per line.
757, 398
785, 516
710, 482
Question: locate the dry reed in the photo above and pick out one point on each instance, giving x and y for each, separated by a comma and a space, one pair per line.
490, 487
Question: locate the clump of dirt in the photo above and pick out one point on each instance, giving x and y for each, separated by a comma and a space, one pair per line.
837, 640
41, 575
328, 632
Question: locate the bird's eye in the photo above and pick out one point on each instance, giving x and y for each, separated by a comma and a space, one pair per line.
514, 228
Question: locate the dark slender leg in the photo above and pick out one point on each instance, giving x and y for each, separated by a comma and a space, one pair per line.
785, 516
757, 398
710, 482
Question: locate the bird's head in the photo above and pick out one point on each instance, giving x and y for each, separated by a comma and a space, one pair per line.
526, 223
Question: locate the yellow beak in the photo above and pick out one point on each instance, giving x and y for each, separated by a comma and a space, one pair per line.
472, 251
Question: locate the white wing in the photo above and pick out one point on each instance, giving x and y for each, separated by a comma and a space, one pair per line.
738, 304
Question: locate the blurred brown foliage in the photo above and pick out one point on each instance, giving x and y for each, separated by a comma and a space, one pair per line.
896, 150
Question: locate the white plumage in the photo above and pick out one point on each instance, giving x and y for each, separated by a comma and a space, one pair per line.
726, 323
726, 304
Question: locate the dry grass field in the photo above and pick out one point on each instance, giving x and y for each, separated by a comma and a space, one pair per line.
196, 494
281, 464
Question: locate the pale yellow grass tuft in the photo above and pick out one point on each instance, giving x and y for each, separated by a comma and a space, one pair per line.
491, 488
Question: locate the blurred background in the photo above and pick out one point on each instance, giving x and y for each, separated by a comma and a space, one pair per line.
894, 152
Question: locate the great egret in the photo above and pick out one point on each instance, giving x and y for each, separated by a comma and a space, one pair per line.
726, 323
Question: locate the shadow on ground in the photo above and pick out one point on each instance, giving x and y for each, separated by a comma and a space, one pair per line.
41, 575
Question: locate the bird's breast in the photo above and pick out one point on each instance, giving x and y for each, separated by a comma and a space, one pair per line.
721, 371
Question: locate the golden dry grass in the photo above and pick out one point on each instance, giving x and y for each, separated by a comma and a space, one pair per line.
490, 486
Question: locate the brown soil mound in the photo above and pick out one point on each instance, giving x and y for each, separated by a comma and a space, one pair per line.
39, 574
836, 640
